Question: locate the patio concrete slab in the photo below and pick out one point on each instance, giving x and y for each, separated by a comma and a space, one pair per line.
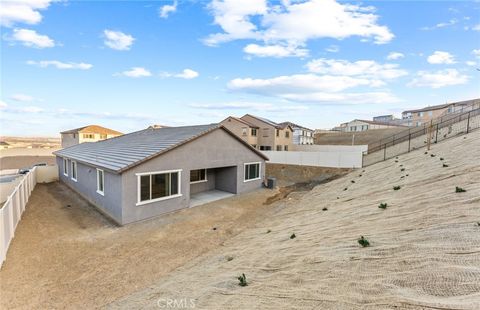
208, 196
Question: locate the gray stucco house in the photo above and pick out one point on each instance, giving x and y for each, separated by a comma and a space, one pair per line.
157, 170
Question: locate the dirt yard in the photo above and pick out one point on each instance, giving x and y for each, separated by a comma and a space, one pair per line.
291, 174
17, 162
66, 255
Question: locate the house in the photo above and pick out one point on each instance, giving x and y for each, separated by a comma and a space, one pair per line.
363, 125
155, 171
419, 117
243, 129
271, 136
384, 118
91, 133
301, 135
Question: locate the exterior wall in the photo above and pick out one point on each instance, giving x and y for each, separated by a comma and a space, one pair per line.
363, 126
419, 118
86, 185
241, 130
302, 136
69, 139
213, 150
267, 134
333, 159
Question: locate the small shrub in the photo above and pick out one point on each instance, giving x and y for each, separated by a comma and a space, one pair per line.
242, 280
459, 190
426, 153
406, 175
269, 231
383, 205
352, 181
396, 161
441, 158
359, 175
345, 188
432, 155
325, 209
338, 197
214, 228
444, 165
402, 177
396, 188
396, 157
363, 241
293, 236
403, 169
478, 223
229, 258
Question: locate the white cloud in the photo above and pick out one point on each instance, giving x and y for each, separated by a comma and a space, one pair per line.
476, 53
451, 22
255, 106
476, 27
439, 57
21, 97
165, 10
187, 74
31, 38
471, 63
395, 56
135, 72
118, 40
277, 51
438, 79
60, 65
333, 49
28, 109
362, 68
22, 11
293, 24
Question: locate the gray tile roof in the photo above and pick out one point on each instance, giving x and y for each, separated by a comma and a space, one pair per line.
120, 153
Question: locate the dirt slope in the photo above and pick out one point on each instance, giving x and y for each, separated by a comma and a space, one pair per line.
424, 253
362, 137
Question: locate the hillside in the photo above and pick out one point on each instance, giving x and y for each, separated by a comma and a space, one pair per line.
361, 137
424, 253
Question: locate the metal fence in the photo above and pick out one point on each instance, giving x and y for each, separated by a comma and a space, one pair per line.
413, 138
11, 212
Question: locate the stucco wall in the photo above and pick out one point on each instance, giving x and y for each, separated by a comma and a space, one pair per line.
86, 185
238, 128
68, 139
216, 149
204, 186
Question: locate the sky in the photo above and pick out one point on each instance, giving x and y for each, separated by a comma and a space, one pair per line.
130, 64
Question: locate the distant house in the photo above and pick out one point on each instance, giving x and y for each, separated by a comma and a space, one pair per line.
384, 118
243, 129
301, 135
271, 136
363, 125
155, 171
91, 133
418, 117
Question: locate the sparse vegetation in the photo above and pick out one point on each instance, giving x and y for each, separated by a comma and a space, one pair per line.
444, 165
403, 169
345, 188
383, 205
352, 181
269, 231
459, 190
293, 236
242, 280
426, 152
396, 161
325, 209
432, 155
229, 258
478, 223
396, 188
363, 242
441, 158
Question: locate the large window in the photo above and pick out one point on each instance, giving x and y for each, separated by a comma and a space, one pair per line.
157, 186
252, 172
88, 136
74, 171
199, 175
65, 167
100, 182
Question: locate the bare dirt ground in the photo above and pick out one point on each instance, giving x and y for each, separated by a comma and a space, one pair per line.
291, 174
66, 255
424, 248
17, 162
361, 138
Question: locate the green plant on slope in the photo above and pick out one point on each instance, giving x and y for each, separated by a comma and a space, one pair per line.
432, 155
441, 158
242, 280
403, 169
293, 236
383, 205
363, 241
444, 165
352, 181
396, 188
459, 190
325, 209
269, 231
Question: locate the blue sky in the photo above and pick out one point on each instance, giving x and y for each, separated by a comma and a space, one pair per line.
130, 64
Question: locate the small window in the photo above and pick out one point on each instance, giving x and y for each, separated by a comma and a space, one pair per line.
252, 172
285, 148
74, 171
88, 136
244, 131
158, 186
65, 167
278, 133
103, 136
279, 147
287, 134
430, 113
100, 182
199, 175
254, 132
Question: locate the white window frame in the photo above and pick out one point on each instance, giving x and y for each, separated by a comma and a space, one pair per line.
140, 203
74, 163
259, 171
65, 167
101, 192
201, 181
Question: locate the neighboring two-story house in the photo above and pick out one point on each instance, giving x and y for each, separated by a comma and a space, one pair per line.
246, 131
270, 135
91, 133
301, 135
